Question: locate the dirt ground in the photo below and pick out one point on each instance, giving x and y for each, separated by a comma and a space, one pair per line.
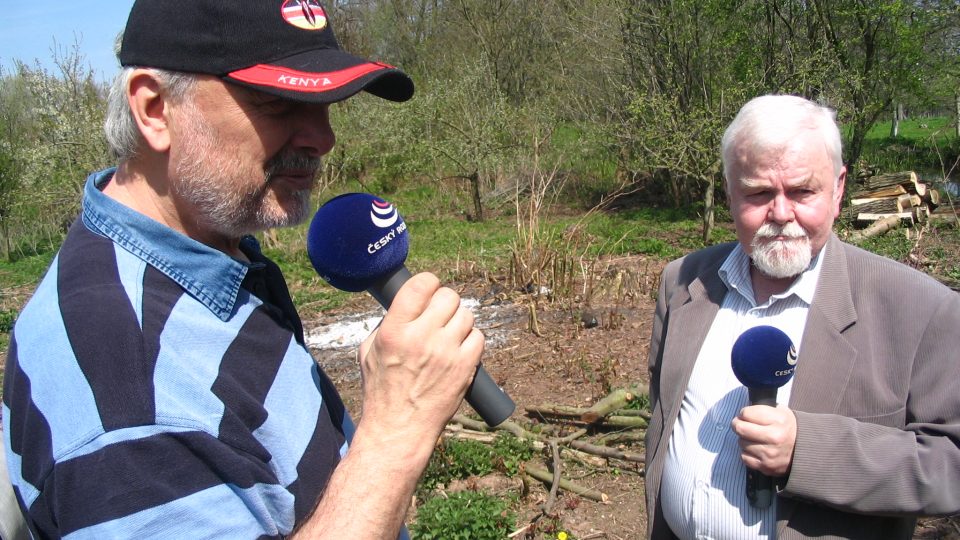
559, 360
566, 364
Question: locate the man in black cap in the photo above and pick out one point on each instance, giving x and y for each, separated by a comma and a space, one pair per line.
157, 383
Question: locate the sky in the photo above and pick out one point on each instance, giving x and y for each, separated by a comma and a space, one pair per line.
29, 30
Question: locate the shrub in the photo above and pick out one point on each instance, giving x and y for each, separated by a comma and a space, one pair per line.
466, 515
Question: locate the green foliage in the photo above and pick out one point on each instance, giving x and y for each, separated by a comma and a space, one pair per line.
310, 293
7, 318
944, 262
893, 246
584, 149
926, 145
458, 459
465, 458
51, 138
511, 453
464, 515
640, 403
25, 271
443, 465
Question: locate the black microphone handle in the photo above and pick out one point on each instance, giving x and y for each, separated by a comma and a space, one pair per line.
763, 396
488, 399
759, 485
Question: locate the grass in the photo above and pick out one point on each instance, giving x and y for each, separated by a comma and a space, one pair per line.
939, 128
926, 145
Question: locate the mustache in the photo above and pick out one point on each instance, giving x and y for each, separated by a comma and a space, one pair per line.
291, 160
789, 230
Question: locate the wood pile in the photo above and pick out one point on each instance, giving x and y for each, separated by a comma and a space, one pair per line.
891, 198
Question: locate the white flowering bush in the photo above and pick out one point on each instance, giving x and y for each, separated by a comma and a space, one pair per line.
51, 138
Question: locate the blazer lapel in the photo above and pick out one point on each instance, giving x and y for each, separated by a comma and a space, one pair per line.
690, 318
826, 359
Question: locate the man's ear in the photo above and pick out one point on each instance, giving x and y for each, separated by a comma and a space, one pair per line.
150, 109
838, 192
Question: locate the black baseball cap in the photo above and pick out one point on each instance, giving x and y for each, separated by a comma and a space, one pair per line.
282, 47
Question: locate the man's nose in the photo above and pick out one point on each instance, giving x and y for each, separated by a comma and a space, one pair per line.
314, 134
781, 209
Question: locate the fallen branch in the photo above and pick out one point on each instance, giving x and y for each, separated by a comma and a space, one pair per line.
544, 411
509, 426
572, 437
621, 437
555, 481
625, 421
587, 458
614, 401
634, 412
556, 410
881, 226
469, 423
607, 452
545, 476
512, 427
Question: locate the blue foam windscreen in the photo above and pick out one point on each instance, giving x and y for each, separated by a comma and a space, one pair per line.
355, 239
764, 357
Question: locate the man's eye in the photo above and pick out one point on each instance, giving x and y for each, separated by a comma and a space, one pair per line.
270, 105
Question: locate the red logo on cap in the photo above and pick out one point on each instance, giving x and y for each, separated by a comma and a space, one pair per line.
304, 14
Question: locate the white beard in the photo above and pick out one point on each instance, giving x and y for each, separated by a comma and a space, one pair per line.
781, 259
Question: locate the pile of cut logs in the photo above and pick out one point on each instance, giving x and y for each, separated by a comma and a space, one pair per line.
893, 196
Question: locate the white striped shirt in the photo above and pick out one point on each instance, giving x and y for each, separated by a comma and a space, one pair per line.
704, 481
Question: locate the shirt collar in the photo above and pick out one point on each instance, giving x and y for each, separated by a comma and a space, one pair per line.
735, 274
210, 276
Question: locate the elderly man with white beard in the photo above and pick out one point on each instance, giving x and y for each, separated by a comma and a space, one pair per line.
866, 436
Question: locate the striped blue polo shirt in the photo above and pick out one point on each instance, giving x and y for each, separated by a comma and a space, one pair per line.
156, 387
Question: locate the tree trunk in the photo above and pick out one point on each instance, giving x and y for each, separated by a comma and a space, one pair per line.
855, 146
881, 226
895, 124
708, 210
958, 113
6, 242
475, 190
907, 179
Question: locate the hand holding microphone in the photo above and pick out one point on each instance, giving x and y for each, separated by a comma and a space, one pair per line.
358, 242
764, 359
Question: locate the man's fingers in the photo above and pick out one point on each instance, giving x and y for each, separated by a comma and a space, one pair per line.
473, 345
443, 307
767, 438
759, 414
413, 298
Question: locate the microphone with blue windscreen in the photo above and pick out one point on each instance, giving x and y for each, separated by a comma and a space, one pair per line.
358, 242
763, 359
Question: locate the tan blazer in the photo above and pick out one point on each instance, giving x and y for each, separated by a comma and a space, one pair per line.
876, 393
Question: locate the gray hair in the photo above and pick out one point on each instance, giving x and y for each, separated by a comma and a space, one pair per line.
123, 135
770, 122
